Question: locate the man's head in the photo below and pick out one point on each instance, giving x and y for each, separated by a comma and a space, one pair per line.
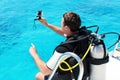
72, 20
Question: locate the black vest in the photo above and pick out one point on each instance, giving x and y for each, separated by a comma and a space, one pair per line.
78, 44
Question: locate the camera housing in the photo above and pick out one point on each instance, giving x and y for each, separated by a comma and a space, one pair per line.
39, 14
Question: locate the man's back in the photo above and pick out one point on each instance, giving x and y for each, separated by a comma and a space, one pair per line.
79, 46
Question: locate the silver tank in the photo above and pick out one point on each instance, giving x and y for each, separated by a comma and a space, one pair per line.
98, 72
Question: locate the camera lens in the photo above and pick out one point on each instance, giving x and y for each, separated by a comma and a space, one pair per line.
39, 13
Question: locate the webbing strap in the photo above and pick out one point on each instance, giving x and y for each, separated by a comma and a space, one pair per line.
99, 61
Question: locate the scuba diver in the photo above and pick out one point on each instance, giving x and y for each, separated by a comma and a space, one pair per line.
71, 30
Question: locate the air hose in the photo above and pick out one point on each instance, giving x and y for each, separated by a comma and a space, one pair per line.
69, 67
116, 40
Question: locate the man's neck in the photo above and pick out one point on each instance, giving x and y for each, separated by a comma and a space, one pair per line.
71, 34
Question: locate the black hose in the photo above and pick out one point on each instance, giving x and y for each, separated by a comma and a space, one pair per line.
116, 40
96, 26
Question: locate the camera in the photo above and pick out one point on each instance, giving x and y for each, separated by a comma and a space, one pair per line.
39, 14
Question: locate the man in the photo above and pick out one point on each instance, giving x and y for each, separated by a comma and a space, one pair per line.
70, 29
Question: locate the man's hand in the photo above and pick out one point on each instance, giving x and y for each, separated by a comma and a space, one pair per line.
33, 51
43, 21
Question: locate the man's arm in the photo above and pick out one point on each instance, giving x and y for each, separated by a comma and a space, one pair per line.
40, 64
53, 27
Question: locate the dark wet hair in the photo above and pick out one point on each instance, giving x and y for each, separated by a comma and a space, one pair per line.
72, 20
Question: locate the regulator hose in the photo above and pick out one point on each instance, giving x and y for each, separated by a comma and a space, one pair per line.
72, 67
116, 40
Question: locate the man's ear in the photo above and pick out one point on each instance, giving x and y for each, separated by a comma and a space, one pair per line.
67, 28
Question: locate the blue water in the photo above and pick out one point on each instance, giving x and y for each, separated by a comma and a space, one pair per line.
17, 33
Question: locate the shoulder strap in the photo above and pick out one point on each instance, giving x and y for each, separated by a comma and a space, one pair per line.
83, 34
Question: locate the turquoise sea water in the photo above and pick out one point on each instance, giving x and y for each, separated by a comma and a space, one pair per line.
17, 33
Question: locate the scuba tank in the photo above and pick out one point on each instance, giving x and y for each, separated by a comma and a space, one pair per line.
98, 59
